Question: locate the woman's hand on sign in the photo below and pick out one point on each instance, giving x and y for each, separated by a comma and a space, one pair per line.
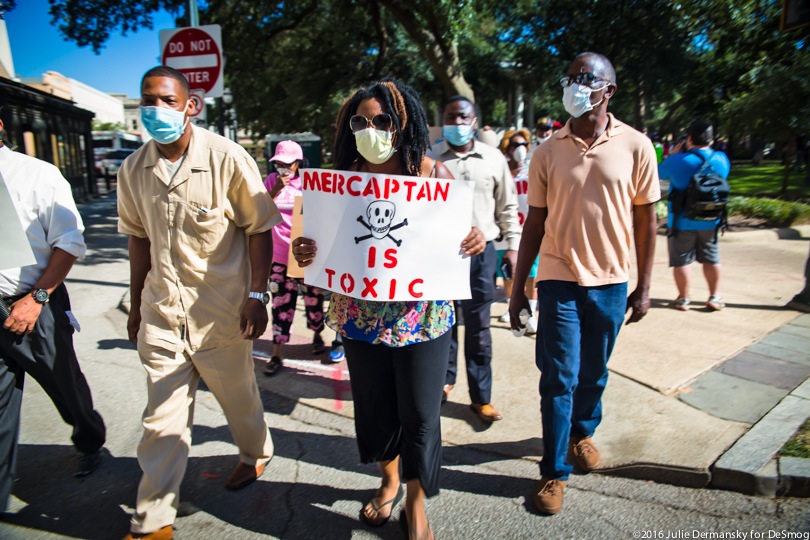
474, 243
304, 251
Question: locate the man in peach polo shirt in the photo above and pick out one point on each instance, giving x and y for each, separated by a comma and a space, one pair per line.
592, 189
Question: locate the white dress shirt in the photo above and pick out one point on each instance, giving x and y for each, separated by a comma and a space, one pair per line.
47, 213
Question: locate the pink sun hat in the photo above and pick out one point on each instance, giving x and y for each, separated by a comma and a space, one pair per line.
288, 152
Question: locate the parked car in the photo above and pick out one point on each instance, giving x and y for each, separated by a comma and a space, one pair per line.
112, 161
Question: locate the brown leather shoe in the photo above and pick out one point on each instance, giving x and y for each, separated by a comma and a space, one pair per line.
550, 497
584, 454
486, 412
446, 392
243, 475
166, 533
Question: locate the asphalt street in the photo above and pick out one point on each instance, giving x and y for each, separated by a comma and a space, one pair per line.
314, 487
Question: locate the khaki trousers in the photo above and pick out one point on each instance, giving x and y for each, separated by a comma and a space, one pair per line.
172, 379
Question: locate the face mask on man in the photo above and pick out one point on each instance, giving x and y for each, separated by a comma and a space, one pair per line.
519, 154
457, 135
375, 145
543, 138
163, 124
577, 99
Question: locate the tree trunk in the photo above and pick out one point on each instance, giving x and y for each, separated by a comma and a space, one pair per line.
640, 107
440, 51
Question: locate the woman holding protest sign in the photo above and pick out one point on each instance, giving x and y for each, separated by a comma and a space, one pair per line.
396, 351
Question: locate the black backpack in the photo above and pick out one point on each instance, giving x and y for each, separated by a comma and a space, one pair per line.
706, 196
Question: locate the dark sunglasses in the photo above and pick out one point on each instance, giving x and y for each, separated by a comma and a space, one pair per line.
382, 122
524, 143
588, 79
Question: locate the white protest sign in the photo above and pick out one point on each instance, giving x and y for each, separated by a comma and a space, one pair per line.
14, 243
387, 238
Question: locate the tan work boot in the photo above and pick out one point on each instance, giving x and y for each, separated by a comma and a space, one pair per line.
550, 497
584, 454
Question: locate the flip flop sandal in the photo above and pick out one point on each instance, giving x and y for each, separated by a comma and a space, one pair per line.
393, 502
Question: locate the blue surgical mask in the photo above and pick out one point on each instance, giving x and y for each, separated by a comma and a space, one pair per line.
457, 135
163, 124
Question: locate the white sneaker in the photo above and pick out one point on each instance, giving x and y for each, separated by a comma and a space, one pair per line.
531, 327
505, 317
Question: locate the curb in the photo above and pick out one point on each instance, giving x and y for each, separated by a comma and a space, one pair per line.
752, 465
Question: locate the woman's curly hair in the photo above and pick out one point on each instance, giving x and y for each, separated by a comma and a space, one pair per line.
409, 120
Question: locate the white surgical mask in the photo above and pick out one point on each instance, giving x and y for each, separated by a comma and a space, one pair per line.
519, 154
375, 145
577, 99
283, 170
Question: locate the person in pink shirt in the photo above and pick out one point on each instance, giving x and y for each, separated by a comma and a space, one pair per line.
284, 186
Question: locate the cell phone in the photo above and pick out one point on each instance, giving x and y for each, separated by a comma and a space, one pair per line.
506, 270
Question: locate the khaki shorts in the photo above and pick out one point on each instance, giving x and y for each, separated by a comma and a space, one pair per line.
686, 246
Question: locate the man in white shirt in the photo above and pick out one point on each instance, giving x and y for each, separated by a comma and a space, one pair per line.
37, 336
495, 213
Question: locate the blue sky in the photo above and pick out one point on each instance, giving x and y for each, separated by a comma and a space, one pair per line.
37, 47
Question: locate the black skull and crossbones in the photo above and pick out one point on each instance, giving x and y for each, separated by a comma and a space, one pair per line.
380, 216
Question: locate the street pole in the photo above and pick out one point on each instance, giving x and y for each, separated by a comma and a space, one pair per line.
193, 14
221, 119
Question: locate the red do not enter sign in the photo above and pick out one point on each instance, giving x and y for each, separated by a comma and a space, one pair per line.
195, 52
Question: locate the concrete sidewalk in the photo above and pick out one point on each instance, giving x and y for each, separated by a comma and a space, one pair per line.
685, 387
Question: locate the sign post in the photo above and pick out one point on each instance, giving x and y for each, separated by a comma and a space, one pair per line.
196, 52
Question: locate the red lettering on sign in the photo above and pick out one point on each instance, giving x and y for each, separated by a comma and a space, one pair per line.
412, 289
330, 273
352, 191
369, 287
339, 181
311, 181
392, 289
391, 258
410, 184
521, 218
391, 186
441, 191
372, 256
347, 283
424, 191
326, 178
372, 188
522, 187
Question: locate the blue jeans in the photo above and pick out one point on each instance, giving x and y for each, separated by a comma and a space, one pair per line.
576, 333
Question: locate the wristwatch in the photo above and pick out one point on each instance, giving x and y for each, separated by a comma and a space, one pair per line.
40, 295
263, 297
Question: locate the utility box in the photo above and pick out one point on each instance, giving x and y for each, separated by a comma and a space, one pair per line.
310, 144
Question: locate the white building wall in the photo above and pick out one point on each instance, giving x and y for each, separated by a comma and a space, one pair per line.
106, 107
6, 60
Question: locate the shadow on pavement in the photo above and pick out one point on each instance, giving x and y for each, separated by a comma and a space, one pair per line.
101, 234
